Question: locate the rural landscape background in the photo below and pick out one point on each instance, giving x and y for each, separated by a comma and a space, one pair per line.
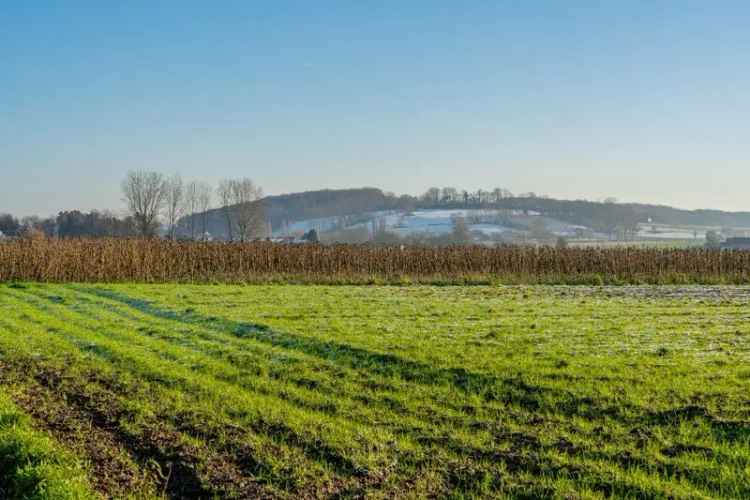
344, 250
236, 209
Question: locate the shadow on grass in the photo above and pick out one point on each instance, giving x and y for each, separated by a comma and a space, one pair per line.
508, 390
311, 446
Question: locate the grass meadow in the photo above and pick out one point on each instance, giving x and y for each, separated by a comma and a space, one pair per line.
284, 391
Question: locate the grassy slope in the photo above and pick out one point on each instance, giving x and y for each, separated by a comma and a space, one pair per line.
306, 390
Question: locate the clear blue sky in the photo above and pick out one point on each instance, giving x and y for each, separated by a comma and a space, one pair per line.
641, 100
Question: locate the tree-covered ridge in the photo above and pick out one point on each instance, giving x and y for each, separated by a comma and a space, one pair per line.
604, 216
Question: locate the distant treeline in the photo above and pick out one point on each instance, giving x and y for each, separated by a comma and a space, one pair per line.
605, 216
280, 211
69, 224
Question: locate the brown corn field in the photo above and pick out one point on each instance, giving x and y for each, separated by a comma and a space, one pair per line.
149, 261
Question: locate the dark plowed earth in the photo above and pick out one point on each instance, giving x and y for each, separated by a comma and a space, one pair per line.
157, 459
113, 471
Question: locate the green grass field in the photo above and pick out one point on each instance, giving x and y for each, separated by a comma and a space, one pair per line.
178, 391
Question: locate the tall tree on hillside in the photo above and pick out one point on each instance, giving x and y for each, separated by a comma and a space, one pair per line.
432, 195
480, 197
449, 195
192, 195
174, 201
248, 210
205, 193
144, 193
224, 192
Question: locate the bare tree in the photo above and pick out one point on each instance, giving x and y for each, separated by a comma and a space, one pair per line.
191, 204
204, 204
174, 200
248, 211
432, 195
224, 191
144, 193
449, 194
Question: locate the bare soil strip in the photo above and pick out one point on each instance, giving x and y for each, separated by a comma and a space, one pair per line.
157, 461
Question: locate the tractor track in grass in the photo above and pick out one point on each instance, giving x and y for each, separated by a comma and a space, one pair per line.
157, 460
230, 443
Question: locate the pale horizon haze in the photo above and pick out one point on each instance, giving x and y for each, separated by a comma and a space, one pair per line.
645, 101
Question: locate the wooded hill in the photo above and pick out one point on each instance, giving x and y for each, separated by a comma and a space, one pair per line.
600, 216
